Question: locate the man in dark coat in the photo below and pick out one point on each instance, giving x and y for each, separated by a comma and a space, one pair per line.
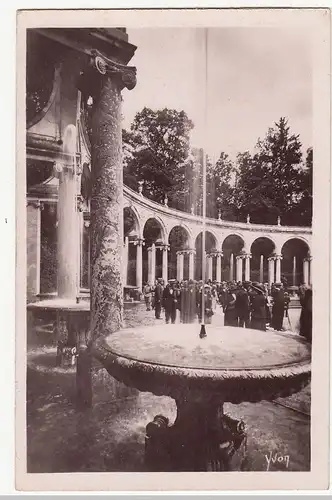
158, 295
278, 307
258, 307
170, 297
242, 305
230, 318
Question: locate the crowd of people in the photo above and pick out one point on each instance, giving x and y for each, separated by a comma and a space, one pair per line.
244, 304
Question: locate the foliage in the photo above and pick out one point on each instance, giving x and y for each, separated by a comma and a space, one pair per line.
155, 150
270, 182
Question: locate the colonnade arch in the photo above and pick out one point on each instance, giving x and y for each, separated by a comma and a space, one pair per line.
169, 245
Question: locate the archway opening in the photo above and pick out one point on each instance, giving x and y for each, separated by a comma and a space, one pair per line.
178, 240
131, 233
152, 255
231, 247
210, 246
294, 251
261, 249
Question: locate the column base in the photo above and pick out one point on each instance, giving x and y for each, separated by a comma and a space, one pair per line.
201, 439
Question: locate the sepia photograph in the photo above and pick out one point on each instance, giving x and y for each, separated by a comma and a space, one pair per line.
169, 260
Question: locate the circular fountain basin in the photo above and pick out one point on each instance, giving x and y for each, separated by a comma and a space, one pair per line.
236, 363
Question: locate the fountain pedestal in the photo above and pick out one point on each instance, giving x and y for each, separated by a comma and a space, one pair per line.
201, 374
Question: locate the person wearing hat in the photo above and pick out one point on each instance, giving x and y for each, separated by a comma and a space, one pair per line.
242, 305
278, 307
258, 307
230, 318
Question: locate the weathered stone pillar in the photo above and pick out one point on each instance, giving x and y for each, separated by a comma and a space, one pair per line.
247, 267
139, 263
294, 271
67, 262
271, 270
231, 267
191, 264
278, 268
34, 208
261, 269
239, 268
107, 193
218, 276
165, 263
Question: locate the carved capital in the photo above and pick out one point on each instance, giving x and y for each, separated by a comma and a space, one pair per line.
126, 75
139, 242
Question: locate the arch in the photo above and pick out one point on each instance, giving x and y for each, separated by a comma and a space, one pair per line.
233, 233
294, 252
261, 249
134, 211
163, 230
208, 233
297, 237
186, 229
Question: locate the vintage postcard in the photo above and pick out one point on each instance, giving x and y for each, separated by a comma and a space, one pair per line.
173, 228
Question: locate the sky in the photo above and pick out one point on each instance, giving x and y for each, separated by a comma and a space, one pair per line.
245, 79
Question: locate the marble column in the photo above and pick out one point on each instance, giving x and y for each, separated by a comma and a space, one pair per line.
125, 261
231, 267
139, 263
105, 80
67, 262
219, 257
271, 270
180, 262
278, 268
247, 267
306, 271
209, 266
239, 268
191, 264
165, 263
153, 263
261, 269
294, 271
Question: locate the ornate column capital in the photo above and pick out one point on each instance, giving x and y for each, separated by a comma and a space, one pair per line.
278, 257
100, 66
308, 258
105, 66
138, 242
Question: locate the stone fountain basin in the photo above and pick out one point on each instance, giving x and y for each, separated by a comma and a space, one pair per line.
237, 364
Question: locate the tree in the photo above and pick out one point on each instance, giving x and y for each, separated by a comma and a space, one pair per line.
220, 186
301, 213
155, 150
268, 184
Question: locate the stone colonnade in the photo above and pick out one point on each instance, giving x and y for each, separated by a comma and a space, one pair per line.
239, 265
